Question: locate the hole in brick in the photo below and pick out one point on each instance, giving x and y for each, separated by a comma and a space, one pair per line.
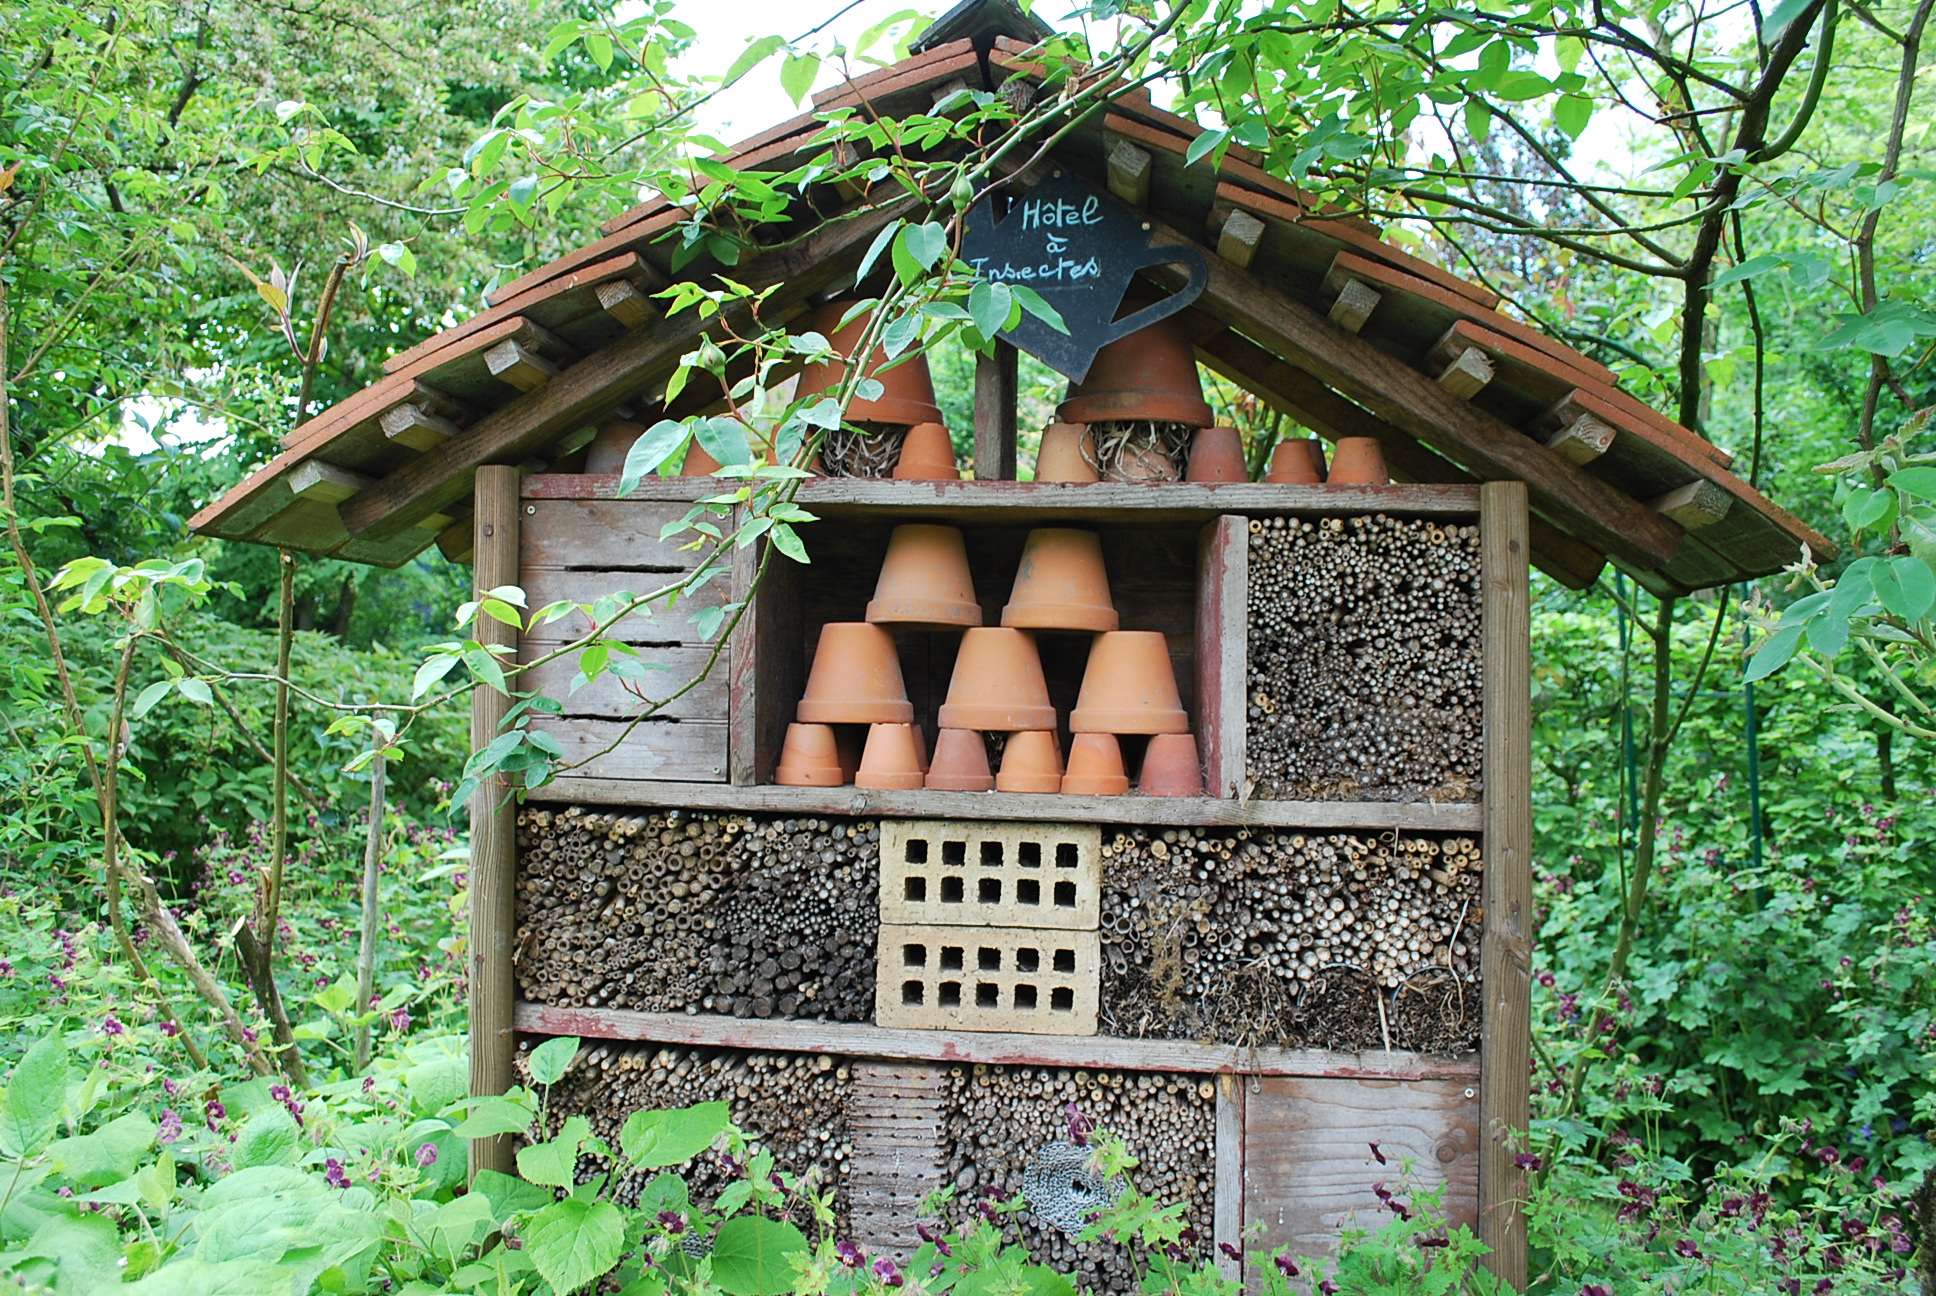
917, 850
1065, 960
1029, 854
1061, 999
951, 958
1027, 959
915, 889
1067, 855
1065, 895
950, 996
913, 993
988, 995
1025, 996
914, 956
991, 854
951, 890
954, 853
990, 891
988, 960
1028, 891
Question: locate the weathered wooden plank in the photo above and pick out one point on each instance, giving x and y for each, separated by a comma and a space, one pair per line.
1354, 305
1696, 505
916, 75
769, 666
611, 698
656, 623
859, 1039
689, 751
896, 1119
606, 535
1582, 441
1309, 1165
555, 303
1228, 1226
494, 861
324, 483
1505, 958
996, 391
1223, 564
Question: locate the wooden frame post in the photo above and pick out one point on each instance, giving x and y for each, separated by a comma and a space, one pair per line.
494, 856
1505, 955
997, 388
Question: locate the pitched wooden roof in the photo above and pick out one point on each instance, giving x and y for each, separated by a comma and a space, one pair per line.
1309, 309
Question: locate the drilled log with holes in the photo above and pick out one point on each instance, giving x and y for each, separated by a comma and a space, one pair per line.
795, 1105
1363, 679
1261, 936
1000, 1118
750, 916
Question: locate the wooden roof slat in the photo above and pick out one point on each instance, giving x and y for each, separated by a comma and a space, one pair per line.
555, 304
805, 122
942, 61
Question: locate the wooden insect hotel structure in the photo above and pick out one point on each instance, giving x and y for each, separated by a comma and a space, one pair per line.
1199, 802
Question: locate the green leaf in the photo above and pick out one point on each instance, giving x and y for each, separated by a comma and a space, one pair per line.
573, 1242
900, 334
1571, 113
196, 691
196, 1277
1478, 119
78, 1254
435, 667
1867, 509
1774, 653
1203, 145
555, 1163
111, 1153
749, 58
1748, 269
724, 439
797, 74
989, 305
436, 1084
1780, 16
35, 1092
925, 243
1035, 304
154, 693
655, 445
787, 541
509, 1195
506, 1115
652, 1139
754, 1257
874, 249
269, 1137
551, 1059
1905, 586
1920, 482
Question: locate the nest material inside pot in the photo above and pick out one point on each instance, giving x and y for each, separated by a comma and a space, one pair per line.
863, 449
1120, 443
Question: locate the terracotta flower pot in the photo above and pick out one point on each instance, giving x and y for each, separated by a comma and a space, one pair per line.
927, 455
998, 684
1217, 455
1031, 762
1060, 583
698, 462
1358, 461
908, 397
1299, 461
924, 580
856, 678
890, 760
605, 455
1129, 687
960, 762
1171, 767
810, 758
1095, 766
1065, 456
1150, 374
1142, 464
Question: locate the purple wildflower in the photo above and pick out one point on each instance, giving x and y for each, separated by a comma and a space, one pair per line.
427, 1155
333, 1174
885, 1271
849, 1253
171, 1125
673, 1222
1376, 1155
111, 1026
1286, 1266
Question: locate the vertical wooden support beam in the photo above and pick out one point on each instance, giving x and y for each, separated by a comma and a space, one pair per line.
997, 387
1223, 567
1505, 952
493, 825
1228, 1210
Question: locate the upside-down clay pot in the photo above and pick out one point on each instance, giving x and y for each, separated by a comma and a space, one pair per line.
908, 395
699, 462
1171, 767
924, 580
810, 758
1066, 455
998, 684
1358, 461
890, 760
1149, 374
1216, 455
1298, 461
1095, 766
605, 455
960, 762
1031, 762
927, 455
1129, 687
856, 678
1060, 583
1142, 464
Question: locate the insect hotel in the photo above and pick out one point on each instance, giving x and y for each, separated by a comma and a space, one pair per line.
1198, 802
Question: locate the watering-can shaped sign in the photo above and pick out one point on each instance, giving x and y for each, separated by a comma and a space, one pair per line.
1078, 247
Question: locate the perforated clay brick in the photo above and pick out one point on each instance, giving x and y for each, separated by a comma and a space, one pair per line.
966, 873
1032, 980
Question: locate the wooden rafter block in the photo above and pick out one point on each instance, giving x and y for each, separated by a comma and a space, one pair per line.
313, 479
413, 427
437, 404
1467, 375
456, 541
1129, 172
622, 300
1582, 441
1356, 301
539, 340
1695, 505
435, 523
526, 370
1241, 236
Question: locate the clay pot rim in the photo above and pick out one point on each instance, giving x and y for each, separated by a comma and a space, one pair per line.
1061, 616
1037, 784
940, 614
994, 717
1095, 784
1112, 720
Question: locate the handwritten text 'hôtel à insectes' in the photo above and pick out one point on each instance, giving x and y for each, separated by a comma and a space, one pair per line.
1049, 216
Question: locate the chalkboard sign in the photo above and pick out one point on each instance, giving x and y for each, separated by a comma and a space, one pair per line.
1079, 247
